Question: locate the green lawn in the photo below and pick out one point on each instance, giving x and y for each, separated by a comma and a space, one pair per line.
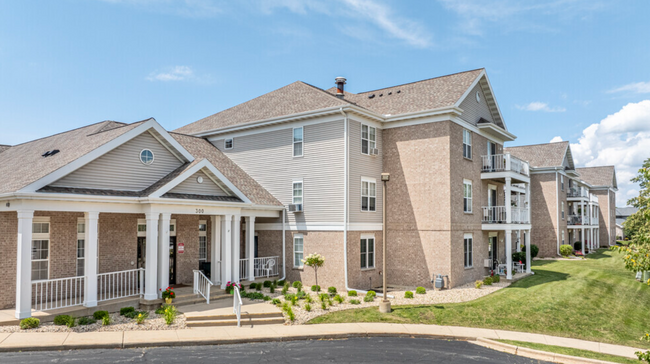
572, 352
593, 299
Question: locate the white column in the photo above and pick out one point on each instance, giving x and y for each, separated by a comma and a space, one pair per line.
508, 201
583, 244
528, 201
24, 265
163, 252
236, 243
90, 258
151, 264
250, 243
518, 240
215, 249
227, 252
529, 259
508, 254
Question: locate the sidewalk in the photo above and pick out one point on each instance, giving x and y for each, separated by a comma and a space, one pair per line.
26, 341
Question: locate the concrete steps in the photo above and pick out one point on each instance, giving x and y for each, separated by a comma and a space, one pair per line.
186, 299
249, 319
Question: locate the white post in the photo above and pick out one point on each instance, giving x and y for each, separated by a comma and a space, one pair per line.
151, 263
215, 249
163, 252
227, 253
508, 199
583, 244
250, 243
508, 254
528, 202
529, 259
518, 240
90, 262
236, 243
24, 265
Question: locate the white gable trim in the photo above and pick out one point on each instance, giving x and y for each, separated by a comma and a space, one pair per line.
471, 87
105, 148
190, 172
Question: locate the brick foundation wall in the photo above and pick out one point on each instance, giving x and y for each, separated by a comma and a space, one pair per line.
8, 254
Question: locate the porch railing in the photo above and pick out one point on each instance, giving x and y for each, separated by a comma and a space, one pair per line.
120, 284
243, 269
519, 215
57, 293
236, 304
504, 162
577, 220
267, 266
202, 285
498, 215
577, 192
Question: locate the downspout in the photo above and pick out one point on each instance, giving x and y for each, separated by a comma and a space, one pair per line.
284, 253
557, 208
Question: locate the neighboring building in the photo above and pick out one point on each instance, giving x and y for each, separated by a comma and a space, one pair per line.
569, 204
622, 213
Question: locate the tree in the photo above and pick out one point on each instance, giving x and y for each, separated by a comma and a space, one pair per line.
315, 261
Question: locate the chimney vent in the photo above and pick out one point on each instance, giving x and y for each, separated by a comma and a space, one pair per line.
340, 82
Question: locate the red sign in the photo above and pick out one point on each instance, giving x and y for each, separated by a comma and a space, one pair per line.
181, 248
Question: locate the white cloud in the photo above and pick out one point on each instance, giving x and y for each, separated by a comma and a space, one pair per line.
620, 139
638, 87
178, 73
556, 139
539, 106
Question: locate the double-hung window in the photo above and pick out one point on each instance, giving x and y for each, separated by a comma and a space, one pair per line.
467, 195
40, 250
368, 139
228, 143
203, 240
298, 250
297, 192
368, 194
562, 181
467, 250
297, 141
467, 144
562, 210
562, 237
367, 252
81, 247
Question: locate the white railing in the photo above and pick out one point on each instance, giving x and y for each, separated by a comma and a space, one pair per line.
494, 214
519, 215
517, 165
120, 284
266, 266
504, 162
578, 192
217, 278
243, 269
202, 285
58, 293
577, 220
236, 304
593, 198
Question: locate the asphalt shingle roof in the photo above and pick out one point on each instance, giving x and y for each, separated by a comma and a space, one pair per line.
625, 211
598, 176
4, 147
541, 155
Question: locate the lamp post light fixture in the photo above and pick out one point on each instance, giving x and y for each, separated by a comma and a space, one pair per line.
384, 305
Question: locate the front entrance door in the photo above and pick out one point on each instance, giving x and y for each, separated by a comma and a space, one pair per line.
493, 251
172, 260
142, 252
492, 202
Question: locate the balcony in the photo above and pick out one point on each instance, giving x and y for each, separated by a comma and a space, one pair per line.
593, 199
498, 215
505, 163
577, 192
574, 220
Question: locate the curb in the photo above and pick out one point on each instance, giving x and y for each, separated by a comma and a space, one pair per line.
536, 354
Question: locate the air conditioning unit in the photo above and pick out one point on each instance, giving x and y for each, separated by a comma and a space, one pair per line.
487, 263
295, 207
374, 151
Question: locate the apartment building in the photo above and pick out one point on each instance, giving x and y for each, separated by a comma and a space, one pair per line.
570, 204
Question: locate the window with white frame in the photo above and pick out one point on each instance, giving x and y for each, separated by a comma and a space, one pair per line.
298, 250
368, 194
467, 144
562, 237
297, 192
203, 240
81, 247
297, 141
562, 210
468, 242
368, 138
367, 252
562, 181
228, 143
467, 195
40, 249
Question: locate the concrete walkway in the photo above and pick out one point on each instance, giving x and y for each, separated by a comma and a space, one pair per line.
24, 341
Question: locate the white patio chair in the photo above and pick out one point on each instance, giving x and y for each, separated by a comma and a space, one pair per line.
269, 267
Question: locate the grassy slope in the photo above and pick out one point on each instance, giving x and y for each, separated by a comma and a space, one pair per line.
593, 299
573, 352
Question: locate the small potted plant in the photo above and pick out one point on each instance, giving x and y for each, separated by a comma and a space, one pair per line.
168, 294
230, 287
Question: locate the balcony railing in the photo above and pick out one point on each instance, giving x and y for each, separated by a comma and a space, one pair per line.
498, 215
593, 198
504, 163
577, 192
577, 220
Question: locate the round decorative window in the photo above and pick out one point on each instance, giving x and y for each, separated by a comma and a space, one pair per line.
478, 96
199, 179
146, 156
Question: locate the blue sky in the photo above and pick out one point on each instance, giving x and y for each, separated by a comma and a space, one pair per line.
573, 69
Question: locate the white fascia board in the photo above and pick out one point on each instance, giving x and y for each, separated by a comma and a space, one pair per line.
501, 227
274, 127
103, 149
496, 130
320, 226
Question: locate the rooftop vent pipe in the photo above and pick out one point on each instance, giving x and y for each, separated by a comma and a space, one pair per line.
340, 82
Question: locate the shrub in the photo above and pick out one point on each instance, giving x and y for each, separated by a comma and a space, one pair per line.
370, 296
106, 320
478, 284
408, 294
258, 287
354, 302
291, 315
496, 278
323, 305
285, 306
488, 281
267, 284
285, 289
301, 295
352, 293
420, 290
315, 288
294, 300
253, 286
566, 250
577, 245
170, 314
308, 299
130, 314
297, 285
275, 282
266, 298
331, 291
62, 319
315, 261
339, 299
519, 257
160, 310
323, 297
83, 321
276, 301
29, 323
125, 310
281, 283
289, 296
272, 289
142, 315
307, 307
255, 295
534, 250
99, 314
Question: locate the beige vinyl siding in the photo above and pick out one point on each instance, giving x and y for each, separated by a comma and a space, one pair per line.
268, 158
362, 165
192, 186
472, 110
121, 169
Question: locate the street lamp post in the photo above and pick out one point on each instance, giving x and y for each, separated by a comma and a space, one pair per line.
384, 305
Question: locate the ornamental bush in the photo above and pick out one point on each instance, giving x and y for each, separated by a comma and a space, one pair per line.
331, 291
315, 261
566, 250
488, 281
297, 285
170, 314
98, 315
258, 287
315, 288
352, 293
281, 283
496, 278
339, 299
420, 290
29, 323
370, 296
83, 321
62, 320
408, 294
301, 295
534, 250
478, 284
577, 245
307, 307
106, 320
267, 284
253, 286
354, 302
276, 301
125, 310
